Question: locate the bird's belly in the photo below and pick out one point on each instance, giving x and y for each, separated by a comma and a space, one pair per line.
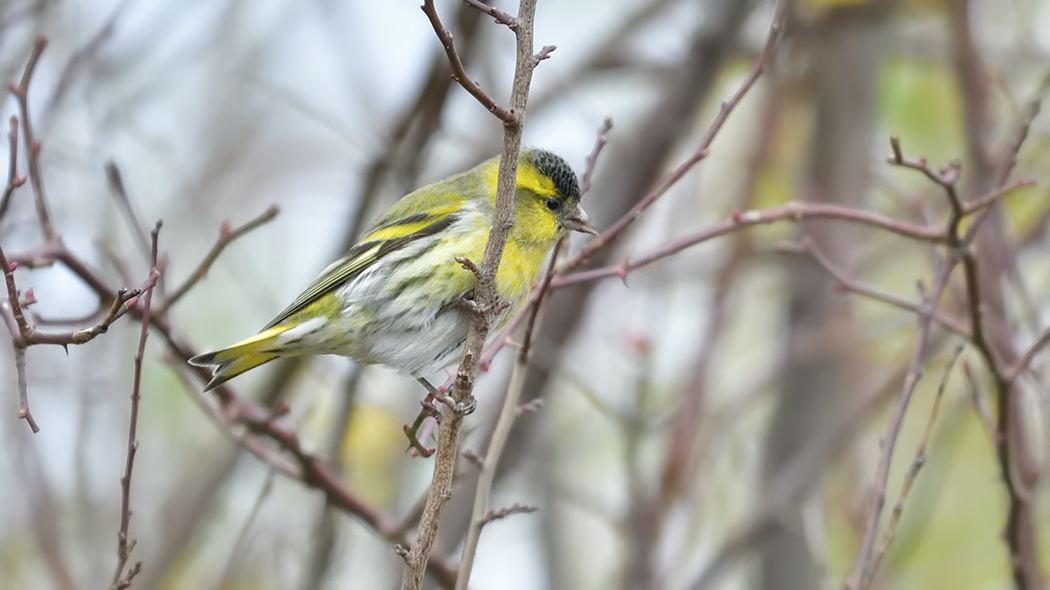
418, 343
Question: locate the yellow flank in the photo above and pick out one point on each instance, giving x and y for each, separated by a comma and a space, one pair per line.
519, 266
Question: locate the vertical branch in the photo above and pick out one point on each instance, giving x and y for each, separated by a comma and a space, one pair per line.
510, 410
13, 180
21, 92
122, 580
913, 472
485, 295
20, 330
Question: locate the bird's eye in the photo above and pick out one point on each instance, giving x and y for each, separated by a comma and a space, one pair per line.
553, 204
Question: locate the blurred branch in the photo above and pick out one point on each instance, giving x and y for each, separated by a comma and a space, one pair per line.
690, 434
237, 414
761, 64
83, 56
797, 476
985, 298
13, 180
122, 580
227, 235
240, 548
913, 472
119, 191
854, 286
959, 252
21, 92
24, 335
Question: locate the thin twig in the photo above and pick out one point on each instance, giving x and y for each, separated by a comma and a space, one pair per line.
459, 72
979, 405
913, 472
1029, 355
116, 187
122, 581
19, 328
501, 17
502, 513
879, 295
793, 212
592, 159
762, 63
227, 236
13, 180
240, 547
1010, 447
23, 390
889, 440
945, 178
21, 92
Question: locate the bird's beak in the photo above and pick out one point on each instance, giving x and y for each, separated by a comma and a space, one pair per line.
578, 221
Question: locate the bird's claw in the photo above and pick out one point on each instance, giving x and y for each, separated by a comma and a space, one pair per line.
461, 407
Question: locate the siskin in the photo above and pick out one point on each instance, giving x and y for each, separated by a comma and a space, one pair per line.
400, 298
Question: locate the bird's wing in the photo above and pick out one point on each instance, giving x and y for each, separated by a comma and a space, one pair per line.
388, 235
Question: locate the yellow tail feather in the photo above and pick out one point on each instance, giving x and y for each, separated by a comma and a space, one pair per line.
243, 356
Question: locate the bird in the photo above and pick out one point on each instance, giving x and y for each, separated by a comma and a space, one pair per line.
402, 296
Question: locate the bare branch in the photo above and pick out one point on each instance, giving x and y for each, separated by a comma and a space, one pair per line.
1029, 355
913, 472
226, 237
762, 63
592, 158
13, 180
459, 72
793, 212
118, 190
21, 92
874, 294
485, 294
889, 440
502, 513
501, 17
122, 580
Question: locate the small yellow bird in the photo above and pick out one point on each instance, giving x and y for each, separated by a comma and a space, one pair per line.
400, 298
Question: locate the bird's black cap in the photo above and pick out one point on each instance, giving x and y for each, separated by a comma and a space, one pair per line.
558, 170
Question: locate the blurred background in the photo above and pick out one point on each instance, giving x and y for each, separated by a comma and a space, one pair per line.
713, 421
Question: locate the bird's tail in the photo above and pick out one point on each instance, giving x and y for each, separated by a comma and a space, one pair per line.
243, 356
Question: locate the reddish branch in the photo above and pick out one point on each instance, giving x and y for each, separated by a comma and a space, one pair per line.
13, 180
853, 286
459, 72
21, 93
959, 252
226, 236
501, 17
122, 580
762, 63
